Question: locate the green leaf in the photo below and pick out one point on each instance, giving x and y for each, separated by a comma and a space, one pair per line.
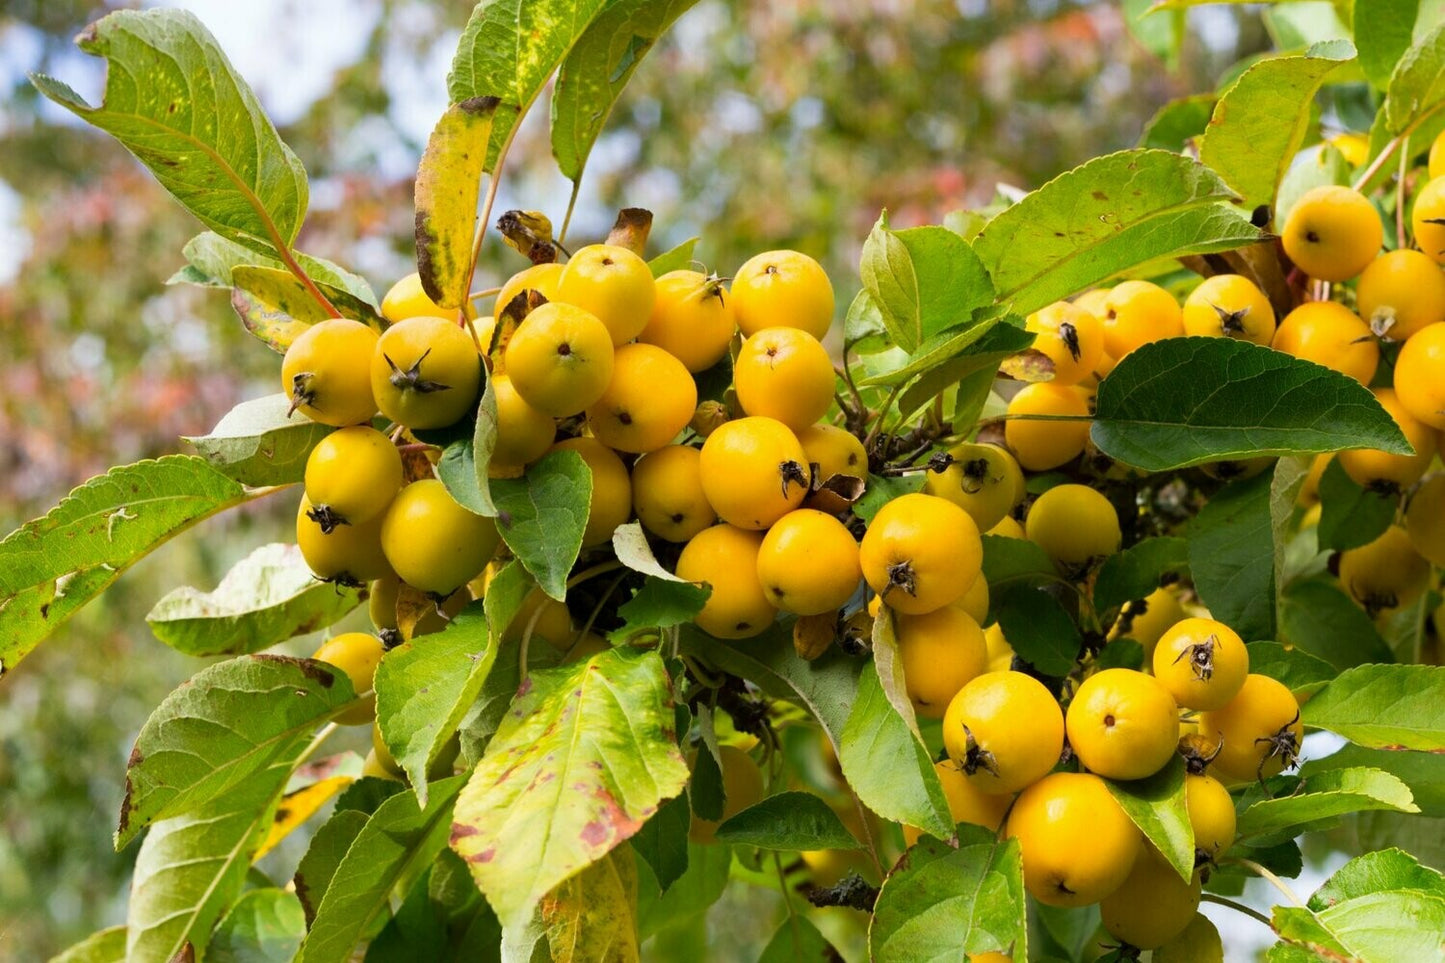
1231, 557
1421, 836
104, 946
51, 566
191, 867
265, 926
1135, 572
1039, 630
798, 941
210, 259
1383, 707
882, 489
464, 463
1382, 31
863, 329
986, 339
1261, 120
1296, 668
708, 867
662, 841
234, 722
1375, 927
1317, 618
597, 69
942, 903
788, 821
194, 122
1417, 87
889, 668
1156, 805
1376, 872
277, 308
425, 687
1286, 481
924, 280
1186, 401
1326, 795
660, 605
398, 841
448, 182
1178, 122
887, 765
267, 597
1423, 772
673, 259
509, 51
1351, 515
1015, 560
327, 850
1109, 215
258, 444
586, 754
542, 516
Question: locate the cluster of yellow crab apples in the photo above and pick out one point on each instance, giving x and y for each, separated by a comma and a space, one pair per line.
598, 357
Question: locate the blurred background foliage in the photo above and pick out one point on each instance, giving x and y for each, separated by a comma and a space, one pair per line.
756, 124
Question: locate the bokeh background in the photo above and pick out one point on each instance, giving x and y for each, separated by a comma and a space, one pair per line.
756, 124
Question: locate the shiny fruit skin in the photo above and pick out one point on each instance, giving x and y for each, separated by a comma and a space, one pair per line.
975, 600
382, 604
523, 433
650, 398
1015, 725
1077, 843
1401, 292
692, 319
836, 451
611, 504
1384, 575
1230, 306
1161, 609
1425, 220
920, 553
613, 284
326, 372
667, 493
541, 278
1198, 943
1388, 473
1211, 814
1436, 160
940, 652
754, 471
1042, 445
357, 654
742, 787
408, 299
1309, 493
808, 563
434, 544
726, 559
1260, 731
1137, 313
1074, 525
349, 554
966, 804
384, 759
779, 288
1420, 376
426, 373
560, 359
1330, 334
1123, 724
353, 473
1332, 233
784, 374
1425, 520
1070, 337
1008, 527
1153, 905
1202, 663
984, 480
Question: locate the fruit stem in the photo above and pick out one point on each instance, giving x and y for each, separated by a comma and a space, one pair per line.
1238, 907
787, 900
601, 568
1380, 161
867, 833
1400, 195
484, 293
1264, 873
321, 736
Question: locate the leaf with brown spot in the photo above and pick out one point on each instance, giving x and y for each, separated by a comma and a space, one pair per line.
590, 918
447, 184
537, 811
